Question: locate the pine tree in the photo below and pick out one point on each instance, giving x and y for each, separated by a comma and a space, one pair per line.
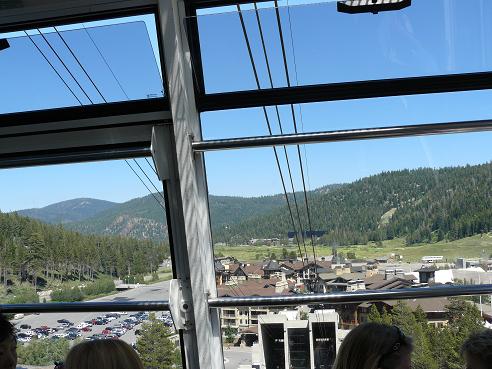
405, 318
374, 316
156, 349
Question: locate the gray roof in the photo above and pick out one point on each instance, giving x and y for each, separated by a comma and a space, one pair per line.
271, 265
219, 267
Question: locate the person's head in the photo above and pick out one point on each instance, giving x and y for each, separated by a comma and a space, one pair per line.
103, 354
8, 345
477, 350
375, 346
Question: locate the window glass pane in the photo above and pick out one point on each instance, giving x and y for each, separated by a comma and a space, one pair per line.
44, 339
349, 114
385, 214
80, 64
88, 232
325, 46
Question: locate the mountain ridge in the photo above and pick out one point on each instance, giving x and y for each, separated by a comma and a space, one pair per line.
68, 211
420, 205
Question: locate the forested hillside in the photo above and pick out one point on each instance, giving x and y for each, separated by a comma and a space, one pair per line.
421, 205
30, 250
68, 211
143, 218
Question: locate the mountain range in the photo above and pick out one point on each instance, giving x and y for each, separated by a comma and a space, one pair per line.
422, 205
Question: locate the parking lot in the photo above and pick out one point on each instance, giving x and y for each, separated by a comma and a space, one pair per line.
154, 292
111, 325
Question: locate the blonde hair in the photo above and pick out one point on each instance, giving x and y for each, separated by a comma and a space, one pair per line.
103, 354
372, 346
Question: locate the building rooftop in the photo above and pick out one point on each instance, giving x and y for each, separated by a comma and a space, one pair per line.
252, 287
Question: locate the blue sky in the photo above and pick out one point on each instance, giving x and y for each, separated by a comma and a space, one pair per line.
430, 37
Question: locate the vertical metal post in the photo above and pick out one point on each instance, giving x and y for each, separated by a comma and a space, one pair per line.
183, 174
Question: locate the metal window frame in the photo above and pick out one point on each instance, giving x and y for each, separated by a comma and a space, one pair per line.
186, 185
183, 175
292, 300
56, 13
106, 131
344, 135
347, 91
320, 92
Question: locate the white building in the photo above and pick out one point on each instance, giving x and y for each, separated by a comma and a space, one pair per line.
287, 341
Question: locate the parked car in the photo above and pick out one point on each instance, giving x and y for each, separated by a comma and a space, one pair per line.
95, 337
86, 329
25, 326
127, 326
18, 316
21, 337
64, 321
72, 335
60, 335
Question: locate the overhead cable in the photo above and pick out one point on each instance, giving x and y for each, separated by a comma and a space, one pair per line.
63, 63
280, 124
145, 174
104, 99
141, 180
54, 69
267, 119
284, 56
106, 62
151, 167
78, 62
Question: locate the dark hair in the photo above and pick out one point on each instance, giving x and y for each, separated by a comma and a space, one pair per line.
479, 345
372, 346
6, 328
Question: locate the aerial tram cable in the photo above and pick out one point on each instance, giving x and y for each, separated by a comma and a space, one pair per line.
105, 100
323, 329
102, 96
54, 69
79, 63
152, 183
141, 180
151, 167
63, 63
106, 62
284, 56
267, 119
278, 119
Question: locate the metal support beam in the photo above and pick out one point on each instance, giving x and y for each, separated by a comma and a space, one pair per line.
83, 307
183, 173
203, 4
354, 297
344, 135
88, 116
82, 154
82, 133
346, 91
29, 14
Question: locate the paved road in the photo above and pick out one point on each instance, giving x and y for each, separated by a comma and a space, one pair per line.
235, 356
154, 292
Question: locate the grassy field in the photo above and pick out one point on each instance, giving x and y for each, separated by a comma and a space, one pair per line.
474, 246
